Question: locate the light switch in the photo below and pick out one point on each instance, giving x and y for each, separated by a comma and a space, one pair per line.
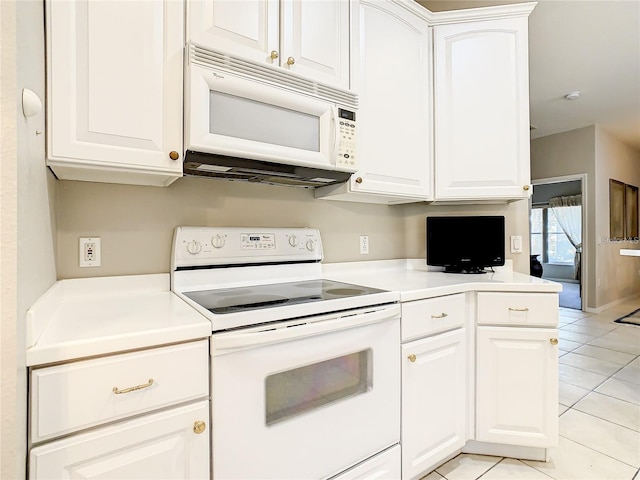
516, 243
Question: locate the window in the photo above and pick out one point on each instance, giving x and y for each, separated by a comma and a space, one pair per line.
547, 238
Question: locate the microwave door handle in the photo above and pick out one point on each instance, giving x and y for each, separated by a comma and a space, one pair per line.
336, 134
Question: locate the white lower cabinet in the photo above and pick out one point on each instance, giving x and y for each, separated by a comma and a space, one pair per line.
434, 397
517, 386
166, 445
142, 414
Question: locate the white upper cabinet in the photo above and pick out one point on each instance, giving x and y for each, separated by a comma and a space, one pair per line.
481, 100
391, 67
309, 38
114, 77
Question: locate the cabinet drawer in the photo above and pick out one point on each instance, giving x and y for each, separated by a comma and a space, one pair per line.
70, 397
424, 317
497, 308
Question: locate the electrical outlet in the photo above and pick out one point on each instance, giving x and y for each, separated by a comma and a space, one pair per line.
89, 252
364, 244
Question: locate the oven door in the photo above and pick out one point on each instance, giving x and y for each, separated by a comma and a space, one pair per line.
238, 117
306, 400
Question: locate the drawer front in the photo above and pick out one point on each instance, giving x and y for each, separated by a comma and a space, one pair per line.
424, 317
74, 396
527, 309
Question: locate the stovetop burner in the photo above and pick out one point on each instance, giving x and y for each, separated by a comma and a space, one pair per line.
240, 299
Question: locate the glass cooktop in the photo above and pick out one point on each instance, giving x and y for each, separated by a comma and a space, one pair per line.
254, 297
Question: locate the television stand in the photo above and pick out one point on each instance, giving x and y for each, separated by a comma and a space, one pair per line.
466, 269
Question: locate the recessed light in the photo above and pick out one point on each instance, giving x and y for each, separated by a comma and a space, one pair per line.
572, 95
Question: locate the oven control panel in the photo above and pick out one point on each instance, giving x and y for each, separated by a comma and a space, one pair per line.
215, 246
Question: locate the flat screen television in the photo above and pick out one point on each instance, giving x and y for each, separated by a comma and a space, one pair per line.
465, 244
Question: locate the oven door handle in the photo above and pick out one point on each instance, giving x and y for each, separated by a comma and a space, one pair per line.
228, 342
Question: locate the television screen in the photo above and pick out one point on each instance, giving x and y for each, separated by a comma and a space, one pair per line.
465, 244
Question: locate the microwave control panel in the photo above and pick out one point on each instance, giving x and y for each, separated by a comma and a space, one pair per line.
347, 144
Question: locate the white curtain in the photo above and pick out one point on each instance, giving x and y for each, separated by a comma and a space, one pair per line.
568, 211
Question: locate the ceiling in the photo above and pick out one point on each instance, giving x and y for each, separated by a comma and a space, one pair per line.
590, 46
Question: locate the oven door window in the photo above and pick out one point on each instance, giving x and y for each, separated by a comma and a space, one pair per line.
300, 390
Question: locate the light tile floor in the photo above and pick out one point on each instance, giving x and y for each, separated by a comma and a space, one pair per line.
599, 407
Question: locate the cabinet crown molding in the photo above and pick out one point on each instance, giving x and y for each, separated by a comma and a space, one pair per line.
480, 13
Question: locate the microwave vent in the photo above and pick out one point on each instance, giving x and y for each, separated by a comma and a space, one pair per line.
270, 75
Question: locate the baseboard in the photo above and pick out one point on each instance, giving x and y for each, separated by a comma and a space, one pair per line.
609, 305
566, 280
511, 451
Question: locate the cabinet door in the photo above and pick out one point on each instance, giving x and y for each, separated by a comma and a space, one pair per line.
482, 110
248, 29
114, 72
315, 37
163, 446
433, 401
517, 386
393, 85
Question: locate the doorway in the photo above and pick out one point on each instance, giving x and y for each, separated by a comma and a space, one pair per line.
557, 233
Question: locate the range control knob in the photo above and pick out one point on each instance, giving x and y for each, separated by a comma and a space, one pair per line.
311, 245
293, 240
194, 247
218, 241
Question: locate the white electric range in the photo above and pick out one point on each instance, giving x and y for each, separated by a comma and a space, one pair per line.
305, 371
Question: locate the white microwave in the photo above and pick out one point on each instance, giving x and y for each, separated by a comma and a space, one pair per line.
245, 121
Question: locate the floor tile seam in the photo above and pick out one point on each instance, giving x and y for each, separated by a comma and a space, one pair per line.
596, 386
613, 396
599, 346
575, 407
593, 371
536, 469
518, 460
603, 348
608, 421
598, 451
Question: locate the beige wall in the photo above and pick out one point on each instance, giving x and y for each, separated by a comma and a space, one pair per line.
33, 258
10, 427
136, 223
572, 153
618, 277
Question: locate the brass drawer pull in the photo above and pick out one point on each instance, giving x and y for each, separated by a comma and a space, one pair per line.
132, 389
553, 341
518, 309
412, 358
442, 315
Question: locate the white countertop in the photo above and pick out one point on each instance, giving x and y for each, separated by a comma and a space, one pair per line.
80, 318
630, 252
412, 279
94, 316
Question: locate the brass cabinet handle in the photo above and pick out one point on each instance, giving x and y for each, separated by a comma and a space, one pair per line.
525, 187
173, 155
359, 180
553, 341
199, 426
412, 358
518, 309
117, 391
274, 55
291, 61
442, 315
